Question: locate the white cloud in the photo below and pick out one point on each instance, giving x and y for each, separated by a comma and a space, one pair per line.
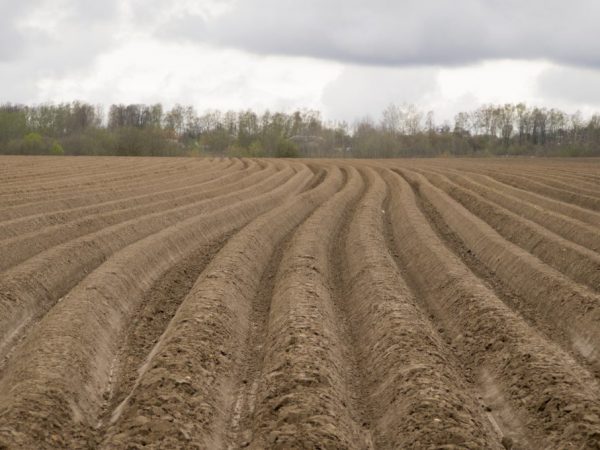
362, 90
349, 59
575, 88
365, 91
150, 71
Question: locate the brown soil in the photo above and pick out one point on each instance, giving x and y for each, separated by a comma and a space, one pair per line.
238, 303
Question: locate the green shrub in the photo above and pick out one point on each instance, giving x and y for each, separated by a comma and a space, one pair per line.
256, 150
56, 149
286, 149
33, 143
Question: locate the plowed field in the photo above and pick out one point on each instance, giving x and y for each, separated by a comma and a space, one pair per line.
333, 304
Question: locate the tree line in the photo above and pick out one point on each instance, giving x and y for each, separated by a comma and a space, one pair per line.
79, 128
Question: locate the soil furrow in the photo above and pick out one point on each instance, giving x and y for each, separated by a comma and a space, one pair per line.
572, 308
553, 399
54, 179
551, 182
304, 395
28, 290
85, 327
580, 264
26, 245
98, 170
299, 303
111, 194
239, 430
240, 426
71, 201
558, 206
88, 186
152, 316
584, 201
414, 389
559, 223
186, 389
28, 224
501, 289
92, 183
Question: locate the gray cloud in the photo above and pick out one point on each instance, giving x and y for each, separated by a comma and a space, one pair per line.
12, 40
406, 32
42, 38
392, 51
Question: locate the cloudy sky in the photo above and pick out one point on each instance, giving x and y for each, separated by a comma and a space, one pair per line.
348, 58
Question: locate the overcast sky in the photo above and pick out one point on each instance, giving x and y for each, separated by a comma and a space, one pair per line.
347, 58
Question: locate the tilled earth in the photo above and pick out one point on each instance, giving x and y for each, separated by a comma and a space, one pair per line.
295, 304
